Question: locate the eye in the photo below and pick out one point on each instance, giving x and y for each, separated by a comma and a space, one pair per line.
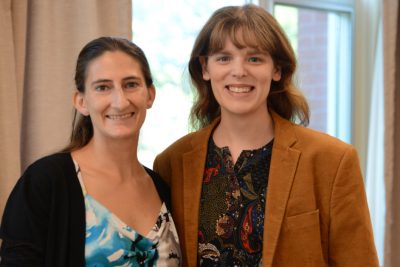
101, 88
254, 59
132, 85
223, 59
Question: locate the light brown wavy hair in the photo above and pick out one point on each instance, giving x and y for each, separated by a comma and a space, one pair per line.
82, 127
247, 25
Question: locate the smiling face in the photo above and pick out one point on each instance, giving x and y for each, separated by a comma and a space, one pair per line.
116, 96
240, 79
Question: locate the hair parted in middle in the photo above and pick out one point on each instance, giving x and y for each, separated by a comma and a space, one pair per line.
252, 26
82, 127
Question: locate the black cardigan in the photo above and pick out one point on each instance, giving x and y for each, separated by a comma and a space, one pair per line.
44, 219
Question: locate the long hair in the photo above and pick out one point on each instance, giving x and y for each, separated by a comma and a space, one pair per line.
82, 127
247, 25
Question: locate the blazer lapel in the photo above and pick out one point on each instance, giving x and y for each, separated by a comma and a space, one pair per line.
282, 171
193, 169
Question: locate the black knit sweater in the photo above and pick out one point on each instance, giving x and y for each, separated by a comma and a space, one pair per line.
44, 220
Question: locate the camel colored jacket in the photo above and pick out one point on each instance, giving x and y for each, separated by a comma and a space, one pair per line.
316, 210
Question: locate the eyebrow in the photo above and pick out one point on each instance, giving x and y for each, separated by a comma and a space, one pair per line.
249, 52
100, 81
107, 80
255, 52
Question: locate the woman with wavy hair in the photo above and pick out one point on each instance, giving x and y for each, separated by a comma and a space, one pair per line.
253, 186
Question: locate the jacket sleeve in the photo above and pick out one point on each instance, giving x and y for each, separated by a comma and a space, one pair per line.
24, 223
351, 240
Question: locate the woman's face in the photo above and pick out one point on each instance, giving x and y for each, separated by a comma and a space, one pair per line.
116, 96
240, 79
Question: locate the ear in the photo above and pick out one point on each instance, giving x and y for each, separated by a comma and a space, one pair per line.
276, 76
203, 62
79, 103
151, 92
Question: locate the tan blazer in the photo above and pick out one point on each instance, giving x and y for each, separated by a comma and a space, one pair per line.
316, 211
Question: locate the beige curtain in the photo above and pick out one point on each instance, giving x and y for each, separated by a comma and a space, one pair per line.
39, 43
12, 42
391, 24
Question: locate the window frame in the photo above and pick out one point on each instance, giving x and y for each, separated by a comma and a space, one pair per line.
340, 120
335, 5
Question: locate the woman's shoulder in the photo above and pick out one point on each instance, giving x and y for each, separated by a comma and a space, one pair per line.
310, 137
323, 147
307, 140
41, 179
51, 160
321, 150
182, 142
189, 141
49, 168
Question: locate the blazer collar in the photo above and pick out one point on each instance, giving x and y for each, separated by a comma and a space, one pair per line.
282, 170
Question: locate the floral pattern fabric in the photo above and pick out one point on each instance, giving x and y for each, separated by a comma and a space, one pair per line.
232, 205
110, 242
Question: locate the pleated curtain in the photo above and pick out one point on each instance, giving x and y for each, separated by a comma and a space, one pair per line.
39, 44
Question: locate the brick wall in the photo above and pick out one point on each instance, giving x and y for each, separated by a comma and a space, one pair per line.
312, 59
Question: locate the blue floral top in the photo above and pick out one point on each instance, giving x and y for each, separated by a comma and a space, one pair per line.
110, 242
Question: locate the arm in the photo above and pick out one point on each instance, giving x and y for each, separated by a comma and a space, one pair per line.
351, 240
24, 224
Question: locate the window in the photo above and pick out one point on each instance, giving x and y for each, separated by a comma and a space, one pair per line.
319, 33
166, 33
322, 40
331, 54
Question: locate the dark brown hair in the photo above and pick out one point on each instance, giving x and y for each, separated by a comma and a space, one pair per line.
82, 127
247, 25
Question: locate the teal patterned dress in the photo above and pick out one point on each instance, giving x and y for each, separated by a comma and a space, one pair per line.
110, 242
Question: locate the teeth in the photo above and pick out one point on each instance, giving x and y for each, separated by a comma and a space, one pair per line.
119, 117
236, 89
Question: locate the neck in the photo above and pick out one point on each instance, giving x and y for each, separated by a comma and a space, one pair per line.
117, 157
243, 133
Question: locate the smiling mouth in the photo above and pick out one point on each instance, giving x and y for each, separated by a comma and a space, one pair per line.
120, 116
239, 89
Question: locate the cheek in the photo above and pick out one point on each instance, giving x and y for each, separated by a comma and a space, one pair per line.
97, 105
214, 72
142, 100
216, 93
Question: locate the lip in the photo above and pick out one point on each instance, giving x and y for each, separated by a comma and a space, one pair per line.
120, 116
239, 88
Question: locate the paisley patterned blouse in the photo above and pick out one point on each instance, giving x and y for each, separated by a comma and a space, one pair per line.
232, 206
110, 242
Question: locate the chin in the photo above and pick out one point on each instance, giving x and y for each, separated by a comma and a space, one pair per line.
124, 136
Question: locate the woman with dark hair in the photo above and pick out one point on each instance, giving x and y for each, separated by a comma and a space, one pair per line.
253, 186
94, 204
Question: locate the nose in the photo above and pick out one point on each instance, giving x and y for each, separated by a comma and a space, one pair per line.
239, 69
119, 99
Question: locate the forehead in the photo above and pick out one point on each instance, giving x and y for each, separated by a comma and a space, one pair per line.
112, 63
230, 47
241, 38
